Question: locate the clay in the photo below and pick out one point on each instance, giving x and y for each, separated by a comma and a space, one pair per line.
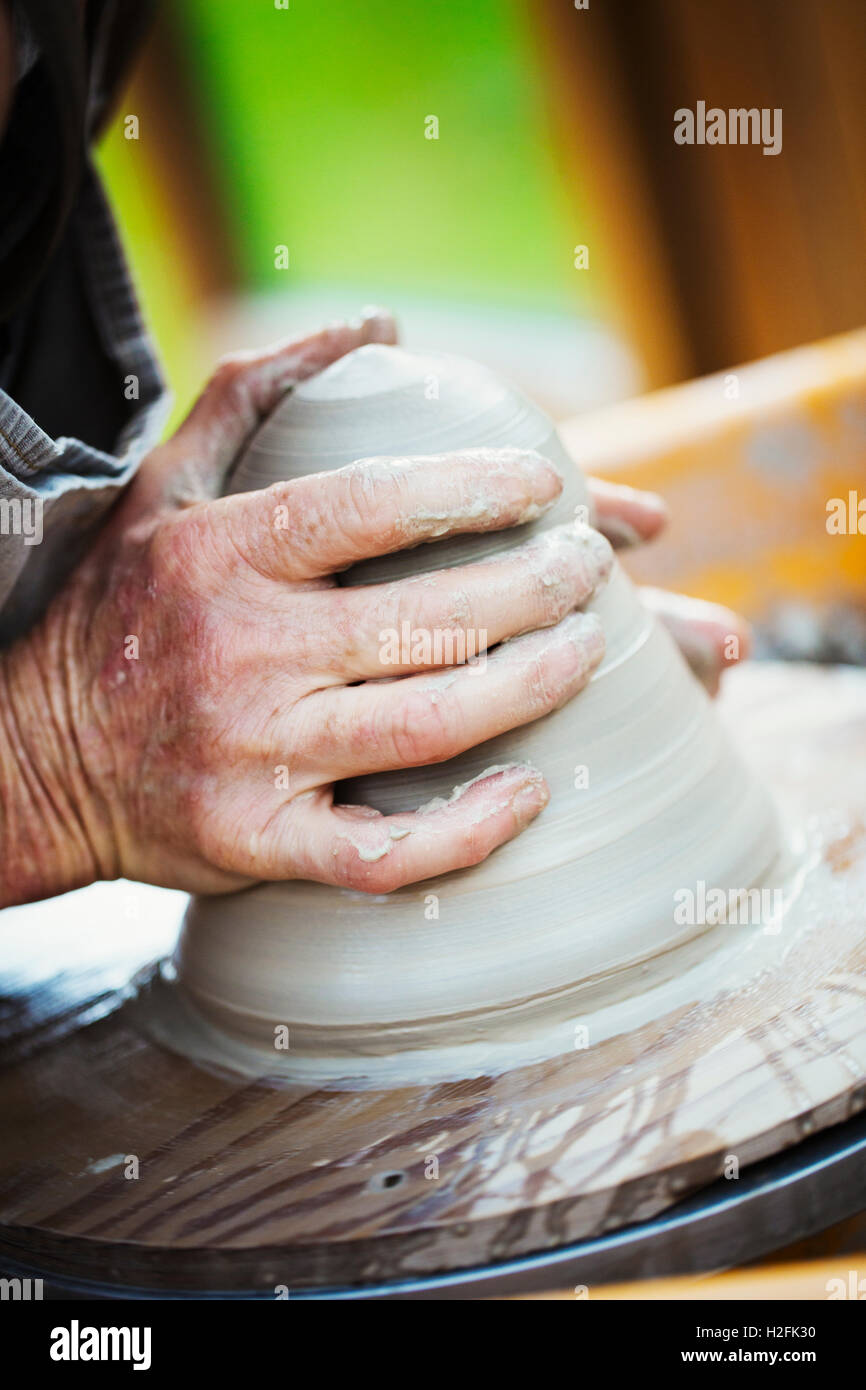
648, 797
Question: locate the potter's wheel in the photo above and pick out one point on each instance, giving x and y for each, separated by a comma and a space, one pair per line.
242, 1185
800, 1192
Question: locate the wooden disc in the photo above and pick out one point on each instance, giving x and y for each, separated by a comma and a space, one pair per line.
124, 1164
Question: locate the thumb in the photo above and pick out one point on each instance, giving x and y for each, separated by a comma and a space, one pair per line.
243, 390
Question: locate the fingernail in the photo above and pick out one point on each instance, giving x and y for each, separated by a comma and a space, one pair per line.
620, 534
654, 503
539, 468
530, 798
647, 501
742, 649
378, 325
568, 553
598, 547
585, 631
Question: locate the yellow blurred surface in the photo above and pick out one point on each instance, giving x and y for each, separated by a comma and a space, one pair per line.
747, 461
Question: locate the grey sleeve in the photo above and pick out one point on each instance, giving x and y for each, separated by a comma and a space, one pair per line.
53, 494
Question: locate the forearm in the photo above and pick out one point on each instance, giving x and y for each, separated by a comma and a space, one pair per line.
48, 841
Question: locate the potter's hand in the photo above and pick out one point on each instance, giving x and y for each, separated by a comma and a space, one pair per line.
710, 637
182, 712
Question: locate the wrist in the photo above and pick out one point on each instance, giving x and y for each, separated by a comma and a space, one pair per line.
51, 840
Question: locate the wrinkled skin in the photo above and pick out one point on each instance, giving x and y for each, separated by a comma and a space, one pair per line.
182, 713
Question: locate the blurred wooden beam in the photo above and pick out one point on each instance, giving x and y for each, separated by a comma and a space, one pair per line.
601, 165
747, 460
756, 253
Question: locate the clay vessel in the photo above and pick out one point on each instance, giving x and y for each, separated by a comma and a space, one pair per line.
588, 890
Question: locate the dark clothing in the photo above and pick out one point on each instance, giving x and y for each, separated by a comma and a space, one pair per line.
81, 395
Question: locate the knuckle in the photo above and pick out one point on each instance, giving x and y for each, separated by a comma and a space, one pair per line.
362, 500
407, 610
341, 642
474, 848
299, 495
318, 511
227, 383
423, 728
227, 370
540, 684
388, 877
557, 575
359, 741
550, 594
373, 499
364, 876
179, 540
206, 557
433, 607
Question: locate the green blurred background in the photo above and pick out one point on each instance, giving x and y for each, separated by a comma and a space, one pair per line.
317, 116
305, 126
309, 127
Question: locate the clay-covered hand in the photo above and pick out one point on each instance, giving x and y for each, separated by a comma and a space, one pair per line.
710, 636
182, 713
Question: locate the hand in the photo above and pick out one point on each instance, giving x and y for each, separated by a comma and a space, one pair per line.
710, 637
183, 711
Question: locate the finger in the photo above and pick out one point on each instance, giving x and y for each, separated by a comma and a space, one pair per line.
316, 525
445, 619
246, 387
429, 718
627, 517
354, 847
710, 636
